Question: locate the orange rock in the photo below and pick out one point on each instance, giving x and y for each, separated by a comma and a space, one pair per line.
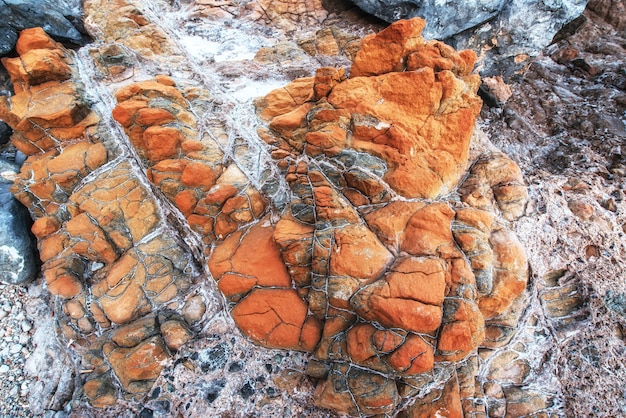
134, 333
358, 253
140, 363
426, 156
391, 312
415, 356
150, 90
384, 52
93, 243
175, 334
51, 106
325, 79
34, 38
186, 201
387, 341
284, 100
198, 174
37, 66
45, 226
101, 393
148, 116
510, 276
311, 334
390, 221
360, 342
428, 231
161, 142
63, 277
272, 317
287, 123
125, 112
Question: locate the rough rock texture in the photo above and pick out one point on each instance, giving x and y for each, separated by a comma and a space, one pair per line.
18, 260
60, 18
504, 33
564, 125
367, 246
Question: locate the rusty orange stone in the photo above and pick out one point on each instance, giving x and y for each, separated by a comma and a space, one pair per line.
161, 142
272, 317
34, 38
415, 356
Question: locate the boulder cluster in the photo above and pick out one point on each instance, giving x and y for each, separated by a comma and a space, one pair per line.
391, 264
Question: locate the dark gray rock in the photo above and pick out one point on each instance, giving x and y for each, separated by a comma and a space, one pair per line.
5, 133
59, 18
502, 32
18, 262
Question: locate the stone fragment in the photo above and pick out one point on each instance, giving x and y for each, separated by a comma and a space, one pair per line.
272, 317
495, 184
140, 363
175, 334
517, 29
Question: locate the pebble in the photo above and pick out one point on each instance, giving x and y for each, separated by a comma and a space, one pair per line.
4, 369
26, 325
16, 348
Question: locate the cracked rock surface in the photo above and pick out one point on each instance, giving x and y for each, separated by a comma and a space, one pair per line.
301, 225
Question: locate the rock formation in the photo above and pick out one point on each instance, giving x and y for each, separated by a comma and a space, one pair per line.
503, 33
61, 19
347, 246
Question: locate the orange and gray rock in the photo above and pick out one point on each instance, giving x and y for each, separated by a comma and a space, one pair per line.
387, 265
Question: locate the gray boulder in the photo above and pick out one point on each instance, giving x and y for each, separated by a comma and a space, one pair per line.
59, 18
502, 32
18, 262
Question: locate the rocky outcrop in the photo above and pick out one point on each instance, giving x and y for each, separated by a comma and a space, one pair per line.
504, 33
561, 124
384, 276
61, 19
391, 291
103, 241
313, 252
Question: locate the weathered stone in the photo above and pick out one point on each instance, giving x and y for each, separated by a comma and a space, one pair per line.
272, 317
140, 363
59, 19
517, 28
360, 268
496, 185
175, 334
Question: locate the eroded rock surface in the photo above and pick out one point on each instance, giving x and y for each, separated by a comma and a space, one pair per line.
359, 228
504, 33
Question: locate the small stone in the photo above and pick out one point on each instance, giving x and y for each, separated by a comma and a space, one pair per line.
4, 369
16, 348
